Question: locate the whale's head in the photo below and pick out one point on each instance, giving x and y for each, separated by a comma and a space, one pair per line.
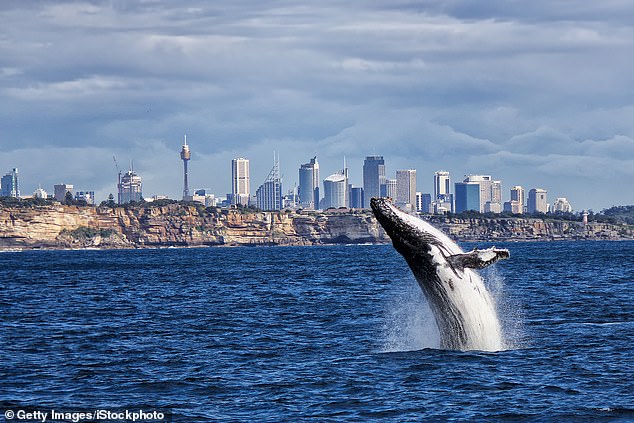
410, 235
423, 244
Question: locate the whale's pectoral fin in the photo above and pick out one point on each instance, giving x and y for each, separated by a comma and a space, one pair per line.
478, 259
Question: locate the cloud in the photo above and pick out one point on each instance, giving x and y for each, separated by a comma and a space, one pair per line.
491, 88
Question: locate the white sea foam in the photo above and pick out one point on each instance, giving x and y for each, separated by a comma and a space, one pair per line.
409, 322
468, 293
509, 310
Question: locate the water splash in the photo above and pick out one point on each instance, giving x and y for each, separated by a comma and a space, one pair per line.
409, 322
509, 310
410, 325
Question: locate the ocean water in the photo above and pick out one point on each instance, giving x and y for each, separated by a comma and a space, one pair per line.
338, 333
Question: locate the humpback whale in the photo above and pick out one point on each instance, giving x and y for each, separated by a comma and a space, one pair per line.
463, 308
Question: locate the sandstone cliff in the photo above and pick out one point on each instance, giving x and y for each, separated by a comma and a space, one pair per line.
57, 226
178, 225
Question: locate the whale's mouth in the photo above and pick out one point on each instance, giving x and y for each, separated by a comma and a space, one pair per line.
380, 204
404, 235
384, 211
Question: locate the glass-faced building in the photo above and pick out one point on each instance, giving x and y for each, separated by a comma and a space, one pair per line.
356, 197
240, 181
309, 184
9, 184
537, 201
335, 191
268, 196
373, 178
406, 189
467, 196
130, 188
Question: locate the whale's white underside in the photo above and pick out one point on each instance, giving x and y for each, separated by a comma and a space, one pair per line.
464, 288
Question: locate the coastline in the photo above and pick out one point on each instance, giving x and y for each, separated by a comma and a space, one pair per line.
59, 227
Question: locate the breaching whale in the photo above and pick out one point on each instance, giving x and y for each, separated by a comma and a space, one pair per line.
463, 308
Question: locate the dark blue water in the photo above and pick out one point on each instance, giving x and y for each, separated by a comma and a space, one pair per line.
313, 334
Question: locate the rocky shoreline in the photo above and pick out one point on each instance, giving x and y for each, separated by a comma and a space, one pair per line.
184, 225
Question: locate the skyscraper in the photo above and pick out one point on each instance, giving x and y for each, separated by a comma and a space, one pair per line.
9, 186
129, 188
537, 202
517, 194
356, 197
309, 184
185, 156
443, 198
240, 182
467, 196
494, 205
426, 204
406, 189
335, 191
389, 189
373, 178
269, 195
484, 181
442, 184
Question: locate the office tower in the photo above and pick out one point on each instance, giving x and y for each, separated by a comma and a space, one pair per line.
240, 182
60, 191
9, 186
356, 197
442, 184
309, 184
390, 189
335, 190
426, 204
494, 205
185, 156
269, 194
423, 203
467, 196
562, 205
373, 179
517, 194
130, 188
537, 202
443, 198
406, 189
513, 206
484, 181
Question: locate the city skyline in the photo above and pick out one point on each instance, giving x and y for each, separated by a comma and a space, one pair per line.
536, 94
403, 188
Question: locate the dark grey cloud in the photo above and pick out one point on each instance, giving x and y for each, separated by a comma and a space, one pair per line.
531, 93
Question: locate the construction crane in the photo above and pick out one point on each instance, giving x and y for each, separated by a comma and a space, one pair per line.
118, 180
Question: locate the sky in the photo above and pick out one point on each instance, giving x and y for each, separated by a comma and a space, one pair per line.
538, 94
